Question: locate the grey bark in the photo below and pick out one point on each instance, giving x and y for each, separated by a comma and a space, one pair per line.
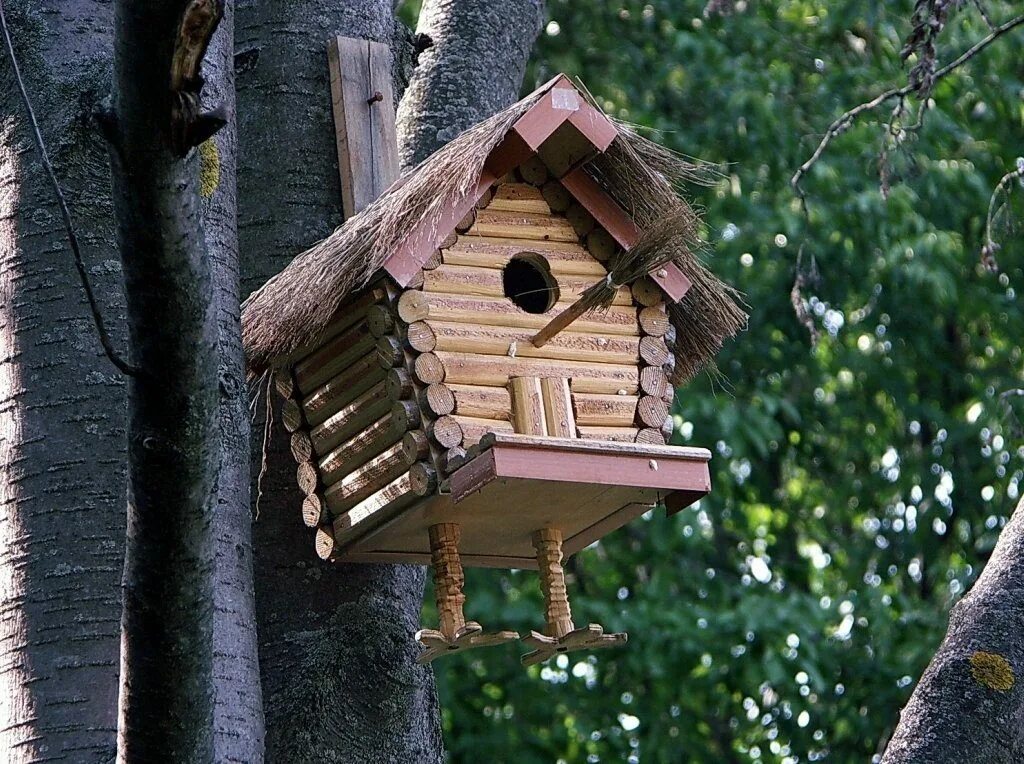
238, 710
166, 692
473, 69
969, 704
336, 648
62, 419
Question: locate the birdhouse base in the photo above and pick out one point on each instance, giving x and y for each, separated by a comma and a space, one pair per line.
520, 484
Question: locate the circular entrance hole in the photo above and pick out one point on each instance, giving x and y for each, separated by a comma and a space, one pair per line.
528, 283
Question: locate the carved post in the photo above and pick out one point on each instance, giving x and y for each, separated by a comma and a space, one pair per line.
448, 577
548, 543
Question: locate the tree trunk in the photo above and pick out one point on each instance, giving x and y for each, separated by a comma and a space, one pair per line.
166, 699
969, 704
62, 485
473, 69
238, 710
336, 648
337, 651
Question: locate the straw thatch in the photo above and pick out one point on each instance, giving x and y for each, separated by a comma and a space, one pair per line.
292, 309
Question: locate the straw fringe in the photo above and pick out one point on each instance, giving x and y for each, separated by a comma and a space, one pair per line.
293, 309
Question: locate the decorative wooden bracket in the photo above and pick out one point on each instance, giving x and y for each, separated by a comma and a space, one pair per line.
562, 635
455, 634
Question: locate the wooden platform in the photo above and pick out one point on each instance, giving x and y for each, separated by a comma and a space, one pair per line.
520, 484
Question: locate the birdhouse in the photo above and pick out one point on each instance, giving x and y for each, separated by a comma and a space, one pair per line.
478, 368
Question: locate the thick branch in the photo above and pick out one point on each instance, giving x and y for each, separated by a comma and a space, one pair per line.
843, 123
166, 702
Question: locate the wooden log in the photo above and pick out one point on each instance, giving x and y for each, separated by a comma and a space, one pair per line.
487, 282
489, 311
495, 371
603, 410
651, 411
307, 477
420, 337
518, 197
374, 510
437, 399
669, 366
399, 384
448, 241
467, 221
522, 225
284, 383
527, 405
485, 198
429, 369
557, 198
366, 480
333, 357
558, 323
562, 257
482, 402
452, 459
670, 335
533, 171
654, 320
646, 292
291, 416
406, 415
601, 245
445, 431
433, 261
651, 436
349, 420
582, 222
381, 320
668, 427
473, 428
422, 479
362, 447
415, 446
617, 434
669, 395
346, 316
301, 446
511, 341
653, 381
390, 352
324, 542
558, 414
653, 351
342, 389
314, 511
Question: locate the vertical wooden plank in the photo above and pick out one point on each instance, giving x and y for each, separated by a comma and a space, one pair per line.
364, 124
527, 406
558, 407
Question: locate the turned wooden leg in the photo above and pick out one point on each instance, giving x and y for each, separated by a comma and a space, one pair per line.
561, 635
455, 633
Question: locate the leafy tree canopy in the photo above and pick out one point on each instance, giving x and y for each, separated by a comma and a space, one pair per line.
860, 481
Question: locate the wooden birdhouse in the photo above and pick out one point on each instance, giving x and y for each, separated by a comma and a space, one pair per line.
478, 368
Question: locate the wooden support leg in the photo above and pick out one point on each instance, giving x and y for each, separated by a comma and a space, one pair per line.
455, 633
561, 635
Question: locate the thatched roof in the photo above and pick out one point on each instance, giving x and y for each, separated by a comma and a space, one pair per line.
294, 307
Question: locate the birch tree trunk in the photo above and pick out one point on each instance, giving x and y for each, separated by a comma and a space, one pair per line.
62, 417
969, 704
337, 650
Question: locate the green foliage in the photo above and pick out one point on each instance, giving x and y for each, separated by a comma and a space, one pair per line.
859, 484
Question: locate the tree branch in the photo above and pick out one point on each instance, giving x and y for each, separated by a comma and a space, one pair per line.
845, 120
108, 347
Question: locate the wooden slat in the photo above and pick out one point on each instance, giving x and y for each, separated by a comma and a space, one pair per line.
499, 340
366, 480
519, 197
487, 282
618, 434
602, 410
360, 448
420, 306
343, 389
346, 422
574, 261
558, 413
365, 131
527, 406
482, 402
468, 369
522, 225
374, 510
333, 357
474, 428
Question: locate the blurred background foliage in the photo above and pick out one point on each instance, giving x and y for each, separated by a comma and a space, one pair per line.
860, 481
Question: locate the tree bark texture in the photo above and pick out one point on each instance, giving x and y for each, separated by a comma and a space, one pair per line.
62, 419
238, 710
473, 69
166, 698
336, 642
969, 704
